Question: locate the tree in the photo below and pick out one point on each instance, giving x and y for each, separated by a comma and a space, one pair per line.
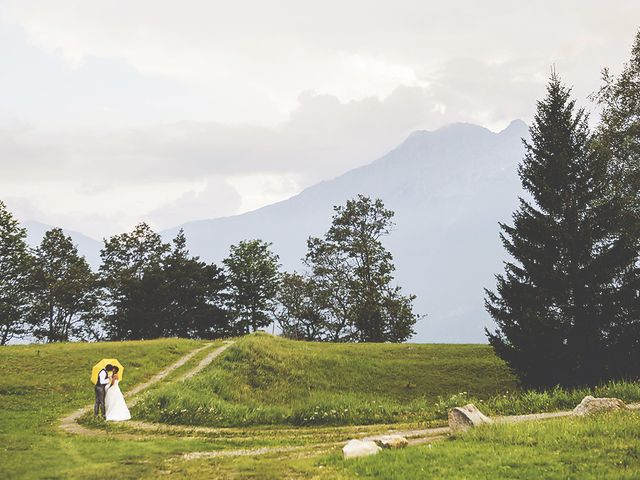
553, 305
128, 302
65, 297
253, 278
301, 310
194, 295
354, 271
618, 138
15, 264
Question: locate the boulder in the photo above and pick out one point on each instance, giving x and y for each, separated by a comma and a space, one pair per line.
391, 441
590, 405
360, 448
463, 418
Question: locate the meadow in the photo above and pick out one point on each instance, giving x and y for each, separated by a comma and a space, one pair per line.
266, 380
272, 393
40, 383
595, 448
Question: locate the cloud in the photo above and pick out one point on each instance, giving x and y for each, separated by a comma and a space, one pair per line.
216, 198
323, 136
250, 59
111, 113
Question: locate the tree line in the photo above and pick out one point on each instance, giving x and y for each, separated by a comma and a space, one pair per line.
148, 288
567, 306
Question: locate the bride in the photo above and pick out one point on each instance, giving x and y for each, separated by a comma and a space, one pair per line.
115, 406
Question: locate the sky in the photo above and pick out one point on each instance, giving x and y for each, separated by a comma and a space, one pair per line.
114, 112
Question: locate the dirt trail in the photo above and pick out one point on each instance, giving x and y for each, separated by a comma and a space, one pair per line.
70, 423
414, 437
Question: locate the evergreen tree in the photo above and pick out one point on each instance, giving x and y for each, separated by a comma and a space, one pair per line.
253, 279
15, 264
618, 138
553, 304
354, 271
130, 303
65, 297
194, 295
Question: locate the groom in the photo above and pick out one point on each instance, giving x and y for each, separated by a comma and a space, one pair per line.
101, 389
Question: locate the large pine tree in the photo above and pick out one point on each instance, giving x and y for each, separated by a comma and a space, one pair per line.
553, 305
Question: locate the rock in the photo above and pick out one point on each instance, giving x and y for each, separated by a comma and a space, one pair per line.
360, 448
590, 405
463, 418
391, 441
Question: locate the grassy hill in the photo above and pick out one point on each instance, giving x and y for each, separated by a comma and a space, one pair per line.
269, 380
40, 383
264, 380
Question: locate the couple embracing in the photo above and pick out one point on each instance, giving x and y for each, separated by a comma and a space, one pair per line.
109, 398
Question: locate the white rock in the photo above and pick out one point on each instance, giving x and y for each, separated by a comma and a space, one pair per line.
463, 418
360, 448
391, 441
590, 405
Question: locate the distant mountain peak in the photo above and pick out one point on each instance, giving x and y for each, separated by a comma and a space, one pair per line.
517, 126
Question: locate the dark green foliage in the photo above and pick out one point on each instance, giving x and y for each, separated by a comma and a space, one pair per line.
65, 291
253, 281
555, 306
352, 272
300, 311
191, 295
15, 264
155, 291
618, 138
125, 260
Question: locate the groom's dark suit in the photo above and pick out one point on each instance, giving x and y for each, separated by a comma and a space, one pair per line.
101, 390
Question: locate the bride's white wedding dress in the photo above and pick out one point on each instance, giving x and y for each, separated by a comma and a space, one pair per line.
115, 407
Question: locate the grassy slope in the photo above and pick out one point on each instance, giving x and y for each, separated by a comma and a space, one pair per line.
269, 380
290, 376
603, 446
606, 446
40, 383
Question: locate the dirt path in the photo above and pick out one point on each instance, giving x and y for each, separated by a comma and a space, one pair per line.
70, 423
414, 437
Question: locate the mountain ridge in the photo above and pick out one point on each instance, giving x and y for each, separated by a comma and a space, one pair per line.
449, 189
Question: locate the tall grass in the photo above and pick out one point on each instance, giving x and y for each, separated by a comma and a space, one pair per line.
265, 380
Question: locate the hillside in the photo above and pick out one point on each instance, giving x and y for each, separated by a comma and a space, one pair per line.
263, 379
39, 383
449, 189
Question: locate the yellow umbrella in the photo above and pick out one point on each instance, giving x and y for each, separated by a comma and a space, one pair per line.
103, 363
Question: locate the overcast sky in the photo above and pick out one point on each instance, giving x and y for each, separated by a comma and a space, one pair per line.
112, 112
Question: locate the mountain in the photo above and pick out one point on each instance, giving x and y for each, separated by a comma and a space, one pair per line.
87, 246
449, 189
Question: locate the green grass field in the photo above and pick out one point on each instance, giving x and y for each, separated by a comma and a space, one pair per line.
268, 380
268, 386
40, 383
596, 448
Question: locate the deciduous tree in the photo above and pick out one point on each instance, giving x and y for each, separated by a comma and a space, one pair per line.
253, 279
15, 265
65, 291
